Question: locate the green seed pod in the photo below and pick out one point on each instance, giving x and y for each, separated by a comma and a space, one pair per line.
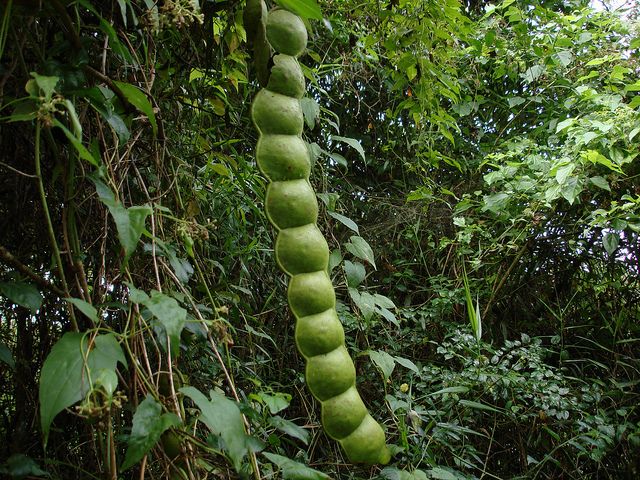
283, 157
291, 204
286, 32
302, 250
276, 113
366, 443
286, 77
311, 293
320, 333
342, 414
330, 374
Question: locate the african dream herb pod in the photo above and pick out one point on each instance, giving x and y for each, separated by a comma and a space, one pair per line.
301, 249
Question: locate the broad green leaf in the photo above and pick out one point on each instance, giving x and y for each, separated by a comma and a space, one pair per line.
563, 173
290, 429
311, 111
149, 423
496, 202
610, 240
170, 315
292, 470
351, 142
334, 259
385, 362
6, 356
77, 144
276, 403
478, 406
304, 8
86, 308
222, 416
355, 273
383, 301
346, 221
364, 301
571, 189
450, 390
358, 247
406, 363
533, 73
515, 101
23, 294
68, 369
46, 84
389, 316
130, 222
139, 99
600, 182
596, 157
65, 377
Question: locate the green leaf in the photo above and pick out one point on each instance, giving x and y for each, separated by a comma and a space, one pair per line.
149, 423
311, 111
222, 416
23, 294
478, 406
304, 8
170, 315
334, 259
533, 73
292, 470
571, 189
6, 356
364, 301
351, 142
77, 144
358, 247
406, 363
47, 85
600, 182
596, 157
448, 390
385, 362
276, 403
290, 429
346, 221
86, 308
130, 222
67, 372
355, 273
611, 240
139, 99
563, 172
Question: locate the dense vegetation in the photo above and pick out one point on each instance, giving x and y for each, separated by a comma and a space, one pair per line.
477, 173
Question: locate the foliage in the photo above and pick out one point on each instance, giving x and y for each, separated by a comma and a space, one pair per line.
476, 166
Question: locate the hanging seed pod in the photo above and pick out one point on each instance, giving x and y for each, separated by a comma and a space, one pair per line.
301, 250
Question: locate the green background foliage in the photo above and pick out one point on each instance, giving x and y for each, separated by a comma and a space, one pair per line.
476, 166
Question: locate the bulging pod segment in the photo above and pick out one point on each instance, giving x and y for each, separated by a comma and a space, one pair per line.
274, 113
302, 250
283, 157
330, 374
286, 77
319, 334
291, 203
366, 443
342, 414
311, 293
286, 32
